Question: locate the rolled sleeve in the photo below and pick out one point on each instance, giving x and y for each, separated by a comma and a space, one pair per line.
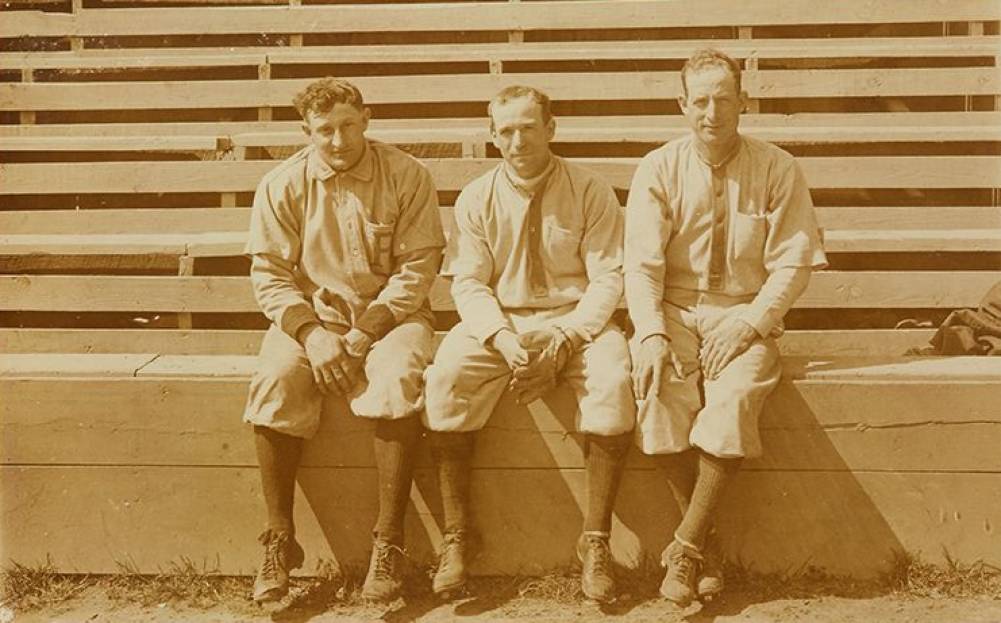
647, 232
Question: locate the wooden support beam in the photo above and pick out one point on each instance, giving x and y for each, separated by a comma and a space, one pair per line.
264, 73
185, 268
27, 117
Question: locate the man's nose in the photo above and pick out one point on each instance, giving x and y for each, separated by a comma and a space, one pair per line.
336, 139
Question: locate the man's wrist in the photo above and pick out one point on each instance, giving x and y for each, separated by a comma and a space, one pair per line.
357, 342
492, 340
305, 330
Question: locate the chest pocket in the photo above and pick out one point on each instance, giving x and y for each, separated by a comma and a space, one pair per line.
561, 249
749, 234
379, 247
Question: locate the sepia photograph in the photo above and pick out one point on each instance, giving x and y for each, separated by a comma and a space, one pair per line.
673, 311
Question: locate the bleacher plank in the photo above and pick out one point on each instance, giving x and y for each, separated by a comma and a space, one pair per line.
762, 49
94, 244
827, 290
167, 143
453, 174
799, 343
477, 17
232, 222
775, 520
806, 414
608, 86
912, 240
124, 221
862, 125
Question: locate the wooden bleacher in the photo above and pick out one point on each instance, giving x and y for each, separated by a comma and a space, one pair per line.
133, 133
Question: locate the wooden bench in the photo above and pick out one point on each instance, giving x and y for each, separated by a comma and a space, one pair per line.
131, 140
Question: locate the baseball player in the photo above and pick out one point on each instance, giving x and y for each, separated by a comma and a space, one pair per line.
537, 275
721, 239
346, 240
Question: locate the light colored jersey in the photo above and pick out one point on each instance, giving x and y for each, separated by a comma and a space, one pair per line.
579, 250
687, 232
358, 248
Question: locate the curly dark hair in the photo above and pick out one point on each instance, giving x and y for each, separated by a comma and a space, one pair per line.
321, 96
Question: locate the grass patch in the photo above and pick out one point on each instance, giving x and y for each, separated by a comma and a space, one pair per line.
30, 588
185, 584
917, 578
181, 583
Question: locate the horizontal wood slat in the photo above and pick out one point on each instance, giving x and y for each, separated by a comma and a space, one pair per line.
609, 86
830, 51
832, 289
453, 174
799, 343
480, 17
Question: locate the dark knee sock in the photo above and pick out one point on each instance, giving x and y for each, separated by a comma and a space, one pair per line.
604, 459
714, 474
680, 468
395, 442
278, 455
453, 455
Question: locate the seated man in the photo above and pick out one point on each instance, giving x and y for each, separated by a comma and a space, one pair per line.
721, 239
537, 270
346, 240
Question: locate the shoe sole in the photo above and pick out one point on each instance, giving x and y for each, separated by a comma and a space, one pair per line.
450, 593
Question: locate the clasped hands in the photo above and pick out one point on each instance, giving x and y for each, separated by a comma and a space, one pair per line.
720, 345
335, 369
535, 358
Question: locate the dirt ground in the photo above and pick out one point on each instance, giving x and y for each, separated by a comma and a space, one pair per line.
93, 605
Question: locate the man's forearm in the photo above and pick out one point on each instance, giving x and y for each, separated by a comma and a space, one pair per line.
403, 294
775, 298
278, 296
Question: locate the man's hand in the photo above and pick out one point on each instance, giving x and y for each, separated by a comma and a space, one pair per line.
723, 343
506, 343
334, 370
550, 351
652, 361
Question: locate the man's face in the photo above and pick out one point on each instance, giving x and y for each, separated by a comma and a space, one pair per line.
713, 105
522, 136
338, 135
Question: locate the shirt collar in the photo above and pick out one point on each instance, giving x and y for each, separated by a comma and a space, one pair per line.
362, 170
722, 164
530, 186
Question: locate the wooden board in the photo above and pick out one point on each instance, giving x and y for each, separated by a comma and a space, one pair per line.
838, 49
827, 290
124, 221
800, 343
148, 517
478, 17
63, 416
654, 85
879, 123
454, 173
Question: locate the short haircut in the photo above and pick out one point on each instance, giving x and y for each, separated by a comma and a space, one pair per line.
321, 96
514, 92
706, 58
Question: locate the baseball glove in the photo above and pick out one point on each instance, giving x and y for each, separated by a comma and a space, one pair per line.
549, 351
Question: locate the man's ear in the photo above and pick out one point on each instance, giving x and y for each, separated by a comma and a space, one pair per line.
366, 115
745, 101
551, 129
305, 128
683, 104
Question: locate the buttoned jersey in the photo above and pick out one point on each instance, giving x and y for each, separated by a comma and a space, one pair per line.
690, 229
498, 244
337, 247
